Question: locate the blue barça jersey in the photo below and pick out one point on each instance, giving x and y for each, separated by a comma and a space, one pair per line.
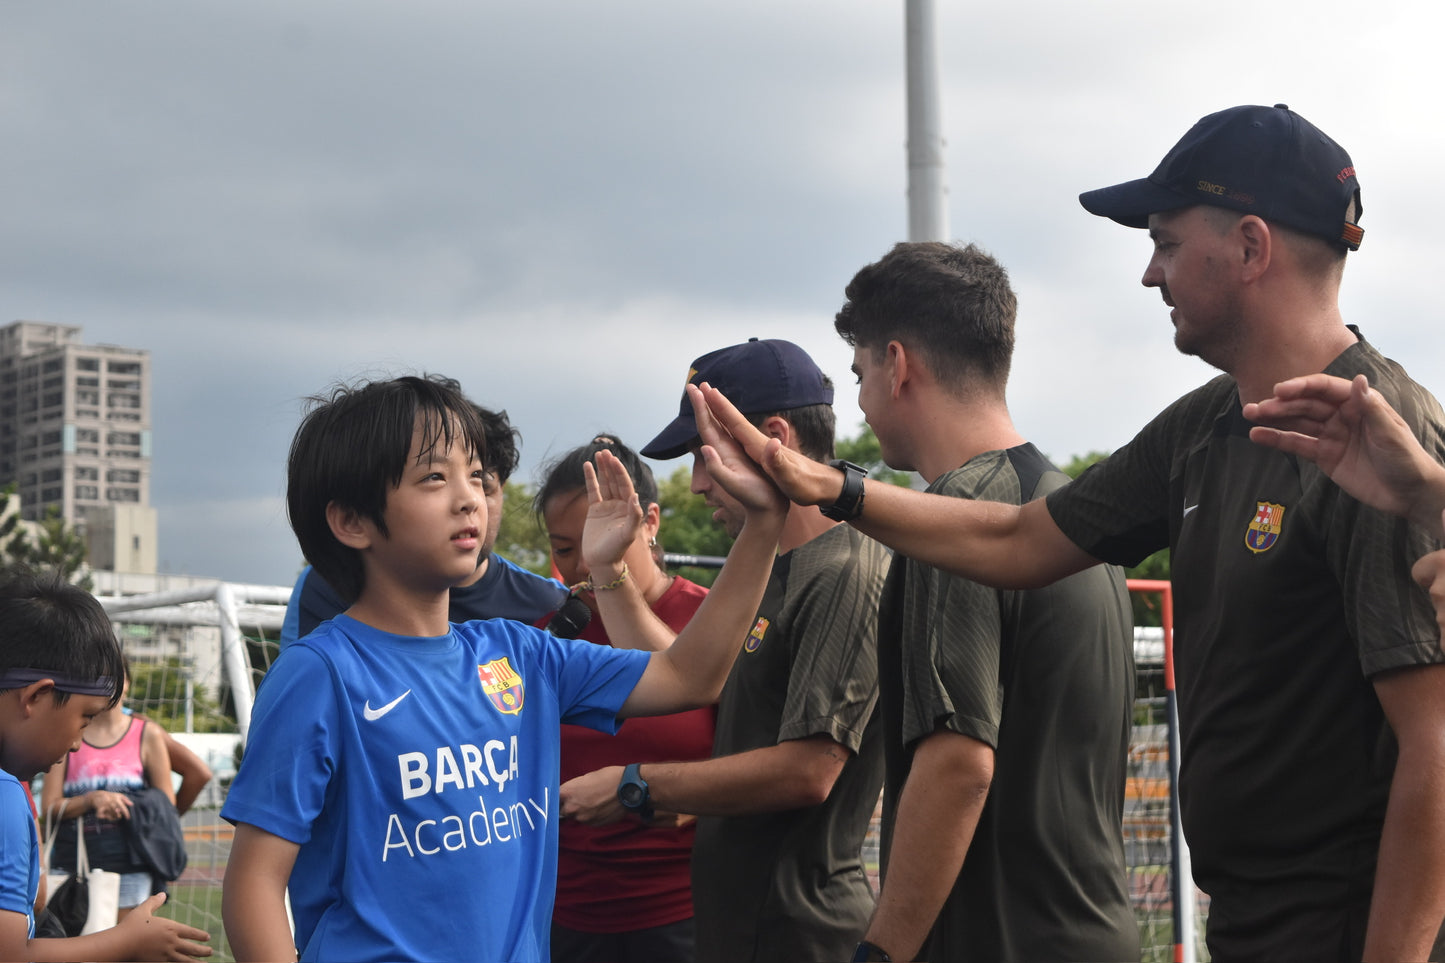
419, 777
19, 852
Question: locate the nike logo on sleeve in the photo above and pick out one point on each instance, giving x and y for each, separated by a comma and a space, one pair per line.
371, 715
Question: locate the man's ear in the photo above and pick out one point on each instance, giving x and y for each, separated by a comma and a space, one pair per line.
349, 527
1257, 246
899, 368
776, 426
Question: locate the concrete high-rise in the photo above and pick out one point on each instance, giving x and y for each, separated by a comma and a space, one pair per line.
75, 436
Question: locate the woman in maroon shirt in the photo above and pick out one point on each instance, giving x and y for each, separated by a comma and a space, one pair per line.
623, 890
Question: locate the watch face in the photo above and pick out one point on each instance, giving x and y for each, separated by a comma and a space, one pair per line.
631, 795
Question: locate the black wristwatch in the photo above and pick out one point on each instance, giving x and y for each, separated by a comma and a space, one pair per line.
632, 793
867, 952
850, 501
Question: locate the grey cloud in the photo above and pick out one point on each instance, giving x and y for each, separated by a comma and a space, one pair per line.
563, 203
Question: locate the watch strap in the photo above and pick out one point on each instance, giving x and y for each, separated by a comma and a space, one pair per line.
850, 500
631, 777
868, 952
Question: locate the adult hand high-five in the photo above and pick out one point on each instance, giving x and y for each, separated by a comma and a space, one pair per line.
801, 479
1357, 439
730, 461
691, 672
1008, 546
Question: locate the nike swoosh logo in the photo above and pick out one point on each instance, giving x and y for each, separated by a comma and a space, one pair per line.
1187, 510
371, 715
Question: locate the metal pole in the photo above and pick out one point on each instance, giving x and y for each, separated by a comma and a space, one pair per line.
927, 182
190, 702
1186, 949
233, 658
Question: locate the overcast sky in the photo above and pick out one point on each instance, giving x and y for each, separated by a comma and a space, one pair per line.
562, 203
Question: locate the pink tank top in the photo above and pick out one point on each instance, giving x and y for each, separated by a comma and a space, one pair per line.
115, 768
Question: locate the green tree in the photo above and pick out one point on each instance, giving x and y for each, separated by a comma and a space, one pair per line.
1147, 607
158, 691
521, 537
55, 547
13, 536
864, 450
60, 547
687, 527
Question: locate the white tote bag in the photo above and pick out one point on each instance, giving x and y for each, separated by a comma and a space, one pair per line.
103, 886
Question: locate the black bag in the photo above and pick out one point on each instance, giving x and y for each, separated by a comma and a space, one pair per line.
70, 904
47, 926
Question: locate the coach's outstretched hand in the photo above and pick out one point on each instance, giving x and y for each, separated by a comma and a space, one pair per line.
801, 479
691, 671
1357, 439
730, 463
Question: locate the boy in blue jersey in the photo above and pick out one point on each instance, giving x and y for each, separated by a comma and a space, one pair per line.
401, 773
60, 666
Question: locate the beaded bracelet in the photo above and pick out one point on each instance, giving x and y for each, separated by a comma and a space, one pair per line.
590, 586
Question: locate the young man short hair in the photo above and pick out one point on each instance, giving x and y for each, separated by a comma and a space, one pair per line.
1006, 715
401, 770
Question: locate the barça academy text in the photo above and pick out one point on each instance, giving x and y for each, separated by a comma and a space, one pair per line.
431, 774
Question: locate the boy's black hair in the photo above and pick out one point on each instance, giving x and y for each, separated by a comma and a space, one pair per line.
50, 625
564, 474
352, 449
502, 455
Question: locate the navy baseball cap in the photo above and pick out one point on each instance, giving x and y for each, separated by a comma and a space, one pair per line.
1267, 161
758, 377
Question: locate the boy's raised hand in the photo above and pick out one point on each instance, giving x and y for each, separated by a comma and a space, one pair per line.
157, 938
614, 515
729, 462
801, 479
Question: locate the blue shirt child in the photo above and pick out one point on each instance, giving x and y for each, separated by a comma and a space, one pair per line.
419, 778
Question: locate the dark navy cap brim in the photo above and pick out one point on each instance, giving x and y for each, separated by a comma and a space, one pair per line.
1132, 202
674, 440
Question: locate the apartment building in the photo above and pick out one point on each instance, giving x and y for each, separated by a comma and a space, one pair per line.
75, 436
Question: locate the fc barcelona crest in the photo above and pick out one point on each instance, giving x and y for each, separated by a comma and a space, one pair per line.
755, 637
1264, 528
502, 685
